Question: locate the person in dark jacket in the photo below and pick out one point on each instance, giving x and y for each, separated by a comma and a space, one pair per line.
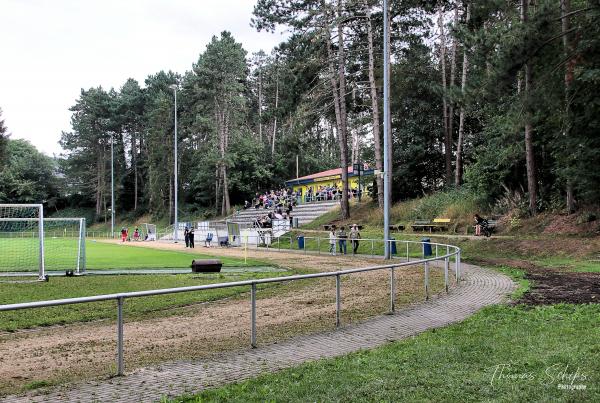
191, 238
186, 236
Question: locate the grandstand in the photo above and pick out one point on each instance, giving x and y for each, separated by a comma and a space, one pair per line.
305, 213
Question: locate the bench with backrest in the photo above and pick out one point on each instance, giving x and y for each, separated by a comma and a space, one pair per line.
397, 227
421, 225
441, 224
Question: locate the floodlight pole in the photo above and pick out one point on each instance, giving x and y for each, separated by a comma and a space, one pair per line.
386, 132
112, 187
176, 224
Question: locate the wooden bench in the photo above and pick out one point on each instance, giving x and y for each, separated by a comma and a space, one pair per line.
421, 225
441, 223
397, 227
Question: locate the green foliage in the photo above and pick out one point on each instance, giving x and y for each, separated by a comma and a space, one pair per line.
455, 204
28, 176
3, 141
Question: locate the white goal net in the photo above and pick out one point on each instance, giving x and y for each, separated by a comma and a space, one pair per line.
31, 243
150, 234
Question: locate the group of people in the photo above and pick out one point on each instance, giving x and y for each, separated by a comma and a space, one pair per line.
125, 234
266, 220
329, 193
283, 198
341, 236
188, 235
281, 202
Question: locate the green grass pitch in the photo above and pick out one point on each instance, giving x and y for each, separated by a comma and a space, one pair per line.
61, 254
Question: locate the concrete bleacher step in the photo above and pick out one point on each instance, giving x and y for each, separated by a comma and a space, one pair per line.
305, 213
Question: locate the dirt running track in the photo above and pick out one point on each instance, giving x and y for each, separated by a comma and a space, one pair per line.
85, 351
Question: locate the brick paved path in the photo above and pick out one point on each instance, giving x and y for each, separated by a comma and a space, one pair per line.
479, 288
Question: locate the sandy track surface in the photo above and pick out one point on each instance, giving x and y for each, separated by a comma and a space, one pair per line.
88, 350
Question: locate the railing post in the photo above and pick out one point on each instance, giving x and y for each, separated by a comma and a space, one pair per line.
120, 363
446, 264
290, 242
407, 255
319, 245
392, 291
338, 300
436, 251
459, 266
253, 315
456, 266
426, 281
372, 248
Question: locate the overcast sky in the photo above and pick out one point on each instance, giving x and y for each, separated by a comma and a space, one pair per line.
50, 49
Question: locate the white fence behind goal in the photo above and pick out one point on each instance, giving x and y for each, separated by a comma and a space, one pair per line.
31, 243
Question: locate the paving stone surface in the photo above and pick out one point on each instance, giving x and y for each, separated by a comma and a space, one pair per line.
479, 287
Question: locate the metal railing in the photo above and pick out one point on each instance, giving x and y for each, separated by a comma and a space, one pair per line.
120, 297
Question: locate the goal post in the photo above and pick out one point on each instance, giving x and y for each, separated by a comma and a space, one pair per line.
150, 232
20, 224
29, 242
64, 241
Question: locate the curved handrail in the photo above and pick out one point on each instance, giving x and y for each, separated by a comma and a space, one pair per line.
120, 297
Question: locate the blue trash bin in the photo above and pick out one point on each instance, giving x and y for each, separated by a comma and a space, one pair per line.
393, 242
426, 247
301, 242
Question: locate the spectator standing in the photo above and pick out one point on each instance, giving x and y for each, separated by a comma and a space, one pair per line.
186, 236
123, 234
343, 236
354, 238
191, 238
136, 234
332, 240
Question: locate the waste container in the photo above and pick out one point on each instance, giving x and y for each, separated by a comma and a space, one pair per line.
426, 247
301, 242
393, 243
206, 266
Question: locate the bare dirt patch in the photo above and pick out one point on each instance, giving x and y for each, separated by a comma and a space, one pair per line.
87, 350
553, 286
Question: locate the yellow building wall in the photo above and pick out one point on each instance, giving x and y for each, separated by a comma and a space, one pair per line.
331, 182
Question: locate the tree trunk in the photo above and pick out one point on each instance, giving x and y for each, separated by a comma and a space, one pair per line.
217, 187
529, 154
452, 83
565, 9
447, 134
375, 108
461, 119
135, 168
260, 102
343, 135
99, 179
276, 106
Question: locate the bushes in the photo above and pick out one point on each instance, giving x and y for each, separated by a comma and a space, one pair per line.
457, 204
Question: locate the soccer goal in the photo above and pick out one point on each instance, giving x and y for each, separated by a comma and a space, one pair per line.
150, 232
31, 243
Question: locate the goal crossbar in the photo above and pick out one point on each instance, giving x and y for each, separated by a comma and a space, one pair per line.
35, 218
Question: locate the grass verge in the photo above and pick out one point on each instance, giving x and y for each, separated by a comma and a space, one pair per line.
72, 287
501, 353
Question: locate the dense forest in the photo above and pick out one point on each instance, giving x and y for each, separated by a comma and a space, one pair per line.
499, 97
